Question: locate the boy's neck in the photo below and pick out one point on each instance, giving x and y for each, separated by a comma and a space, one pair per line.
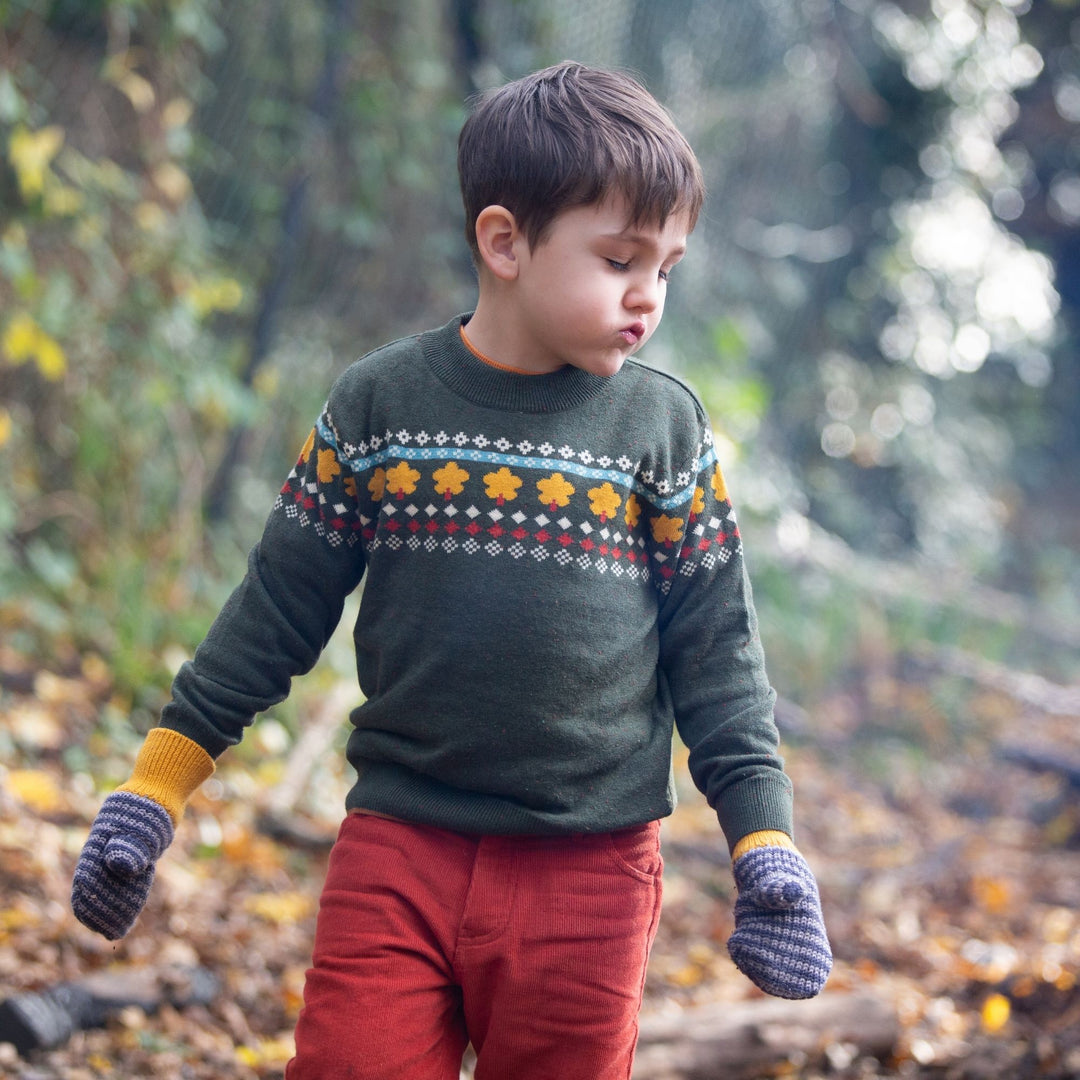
494, 334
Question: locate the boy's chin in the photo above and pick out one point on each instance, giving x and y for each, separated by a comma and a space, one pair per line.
604, 366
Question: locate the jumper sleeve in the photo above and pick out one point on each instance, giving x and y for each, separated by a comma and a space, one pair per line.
278, 620
711, 657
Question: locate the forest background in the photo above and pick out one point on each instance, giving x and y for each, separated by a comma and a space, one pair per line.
207, 210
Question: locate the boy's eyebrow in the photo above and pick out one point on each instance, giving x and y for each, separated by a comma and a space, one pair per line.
642, 240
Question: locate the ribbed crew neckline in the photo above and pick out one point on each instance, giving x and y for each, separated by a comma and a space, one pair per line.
496, 388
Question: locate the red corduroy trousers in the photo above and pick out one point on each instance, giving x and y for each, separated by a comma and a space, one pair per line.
532, 948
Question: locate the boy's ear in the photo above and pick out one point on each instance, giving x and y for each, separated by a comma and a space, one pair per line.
498, 239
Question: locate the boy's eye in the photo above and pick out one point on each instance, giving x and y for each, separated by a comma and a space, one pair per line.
615, 264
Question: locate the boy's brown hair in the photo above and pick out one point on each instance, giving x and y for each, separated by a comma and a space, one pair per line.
570, 135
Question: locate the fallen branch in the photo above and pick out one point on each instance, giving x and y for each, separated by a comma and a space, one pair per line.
1048, 759
278, 815
725, 1041
905, 582
1024, 687
48, 1018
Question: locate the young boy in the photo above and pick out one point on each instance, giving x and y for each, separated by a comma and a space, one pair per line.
553, 577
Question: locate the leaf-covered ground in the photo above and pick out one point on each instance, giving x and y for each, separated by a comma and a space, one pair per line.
950, 879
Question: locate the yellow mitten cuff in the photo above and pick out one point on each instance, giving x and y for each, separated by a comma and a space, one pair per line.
169, 769
764, 838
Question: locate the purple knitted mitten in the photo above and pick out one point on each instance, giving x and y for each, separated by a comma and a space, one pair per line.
116, 867
779, 941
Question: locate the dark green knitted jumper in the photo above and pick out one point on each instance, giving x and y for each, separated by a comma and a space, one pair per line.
552, 577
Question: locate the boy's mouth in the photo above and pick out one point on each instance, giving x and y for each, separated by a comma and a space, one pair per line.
633, 333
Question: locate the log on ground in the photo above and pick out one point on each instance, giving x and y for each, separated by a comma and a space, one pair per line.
735, 1041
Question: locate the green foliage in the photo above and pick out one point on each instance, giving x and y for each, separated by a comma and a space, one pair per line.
207, 210
116, 371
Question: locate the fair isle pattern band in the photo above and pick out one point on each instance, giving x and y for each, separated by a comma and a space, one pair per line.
412, 492
663, 493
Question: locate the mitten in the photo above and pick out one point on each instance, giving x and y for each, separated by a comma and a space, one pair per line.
779, 941
133, 827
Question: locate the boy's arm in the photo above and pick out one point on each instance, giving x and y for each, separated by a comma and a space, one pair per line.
274, 626
713, 664
714, 667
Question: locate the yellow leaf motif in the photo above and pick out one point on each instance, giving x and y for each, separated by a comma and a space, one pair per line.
308, 446
666, 530
30, 153
718, 485
502, 486
603, 501
329, 467
633, 511
402, 479
350, 486
699, 501
377, 484
450, 479
24, 340
555, 491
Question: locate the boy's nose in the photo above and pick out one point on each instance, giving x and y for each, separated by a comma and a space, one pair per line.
644, 297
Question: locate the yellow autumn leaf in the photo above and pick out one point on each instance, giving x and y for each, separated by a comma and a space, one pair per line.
19, 340
14, 236
50, 358
279, 908
688, 976
172, 181
995, 1013
24, 340
5, 426
150, 217
62, 201
215, 294
177, 113
119, 70
267, 1052
16, 919
992, 894
31, 153
35, 789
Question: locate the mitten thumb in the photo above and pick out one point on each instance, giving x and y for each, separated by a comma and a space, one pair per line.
780, 892
128, 856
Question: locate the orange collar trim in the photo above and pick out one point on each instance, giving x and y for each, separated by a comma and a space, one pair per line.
487, 359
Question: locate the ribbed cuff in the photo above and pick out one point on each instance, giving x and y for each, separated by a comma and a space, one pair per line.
169, 769
760, 839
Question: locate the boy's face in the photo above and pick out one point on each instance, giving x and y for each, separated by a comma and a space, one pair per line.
592, 292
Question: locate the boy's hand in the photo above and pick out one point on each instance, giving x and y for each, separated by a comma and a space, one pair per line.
779, 941
116, 867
